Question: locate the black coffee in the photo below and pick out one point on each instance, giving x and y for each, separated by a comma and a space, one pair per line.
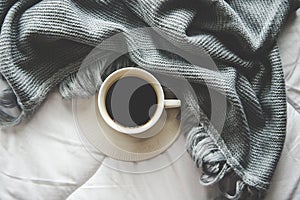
131, 101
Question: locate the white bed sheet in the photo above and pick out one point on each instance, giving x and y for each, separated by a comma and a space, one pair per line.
43, 158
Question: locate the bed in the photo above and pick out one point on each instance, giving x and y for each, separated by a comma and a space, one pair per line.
44, 157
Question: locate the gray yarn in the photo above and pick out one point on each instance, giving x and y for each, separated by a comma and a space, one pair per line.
43, 43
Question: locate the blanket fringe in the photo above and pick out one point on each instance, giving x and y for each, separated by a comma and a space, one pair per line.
206, 155
211, 160
87, 81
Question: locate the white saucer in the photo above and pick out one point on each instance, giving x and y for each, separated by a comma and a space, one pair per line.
120, 146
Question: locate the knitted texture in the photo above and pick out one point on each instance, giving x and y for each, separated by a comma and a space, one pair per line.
43, 42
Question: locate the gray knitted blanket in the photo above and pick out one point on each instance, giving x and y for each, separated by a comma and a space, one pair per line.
43, 44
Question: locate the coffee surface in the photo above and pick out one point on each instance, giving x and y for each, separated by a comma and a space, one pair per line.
131, 101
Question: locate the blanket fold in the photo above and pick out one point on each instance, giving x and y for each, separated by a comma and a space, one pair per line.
43, 44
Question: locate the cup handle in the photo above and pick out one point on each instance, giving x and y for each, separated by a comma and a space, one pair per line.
172, 103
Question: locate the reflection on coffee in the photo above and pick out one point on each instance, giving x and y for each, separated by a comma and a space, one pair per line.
131, 101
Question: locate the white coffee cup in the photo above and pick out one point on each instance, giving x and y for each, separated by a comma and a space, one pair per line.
156, 122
